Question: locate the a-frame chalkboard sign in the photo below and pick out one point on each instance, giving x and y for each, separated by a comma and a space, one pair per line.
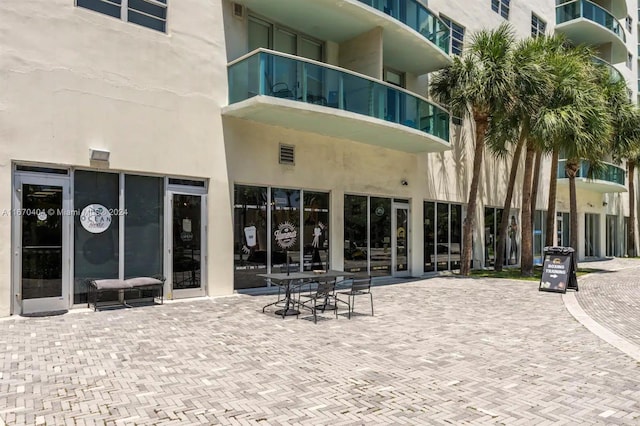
559, 270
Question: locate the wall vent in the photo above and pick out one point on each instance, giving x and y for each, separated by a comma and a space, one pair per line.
287, 154
238, 10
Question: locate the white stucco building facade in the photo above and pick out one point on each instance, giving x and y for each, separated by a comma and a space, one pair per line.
203, 128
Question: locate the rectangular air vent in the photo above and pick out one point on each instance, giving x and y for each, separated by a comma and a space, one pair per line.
238, 10
287, 154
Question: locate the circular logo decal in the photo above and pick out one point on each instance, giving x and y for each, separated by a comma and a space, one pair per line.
285, 235
95, 218
42, 215
379, 211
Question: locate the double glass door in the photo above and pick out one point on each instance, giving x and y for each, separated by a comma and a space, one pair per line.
41, 218
187, 245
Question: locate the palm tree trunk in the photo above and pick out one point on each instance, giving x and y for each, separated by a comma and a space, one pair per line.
526, 236
571, 168
631, 232
534, 185
504, 221
550, 237
481, 123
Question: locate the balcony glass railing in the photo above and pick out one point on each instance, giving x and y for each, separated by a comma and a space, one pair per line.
416, 16
611, 173
268, 73
614, 74
591, 11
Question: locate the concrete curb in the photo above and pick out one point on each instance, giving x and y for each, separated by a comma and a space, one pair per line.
574, 308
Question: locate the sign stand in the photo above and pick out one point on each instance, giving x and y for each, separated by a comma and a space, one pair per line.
559, 270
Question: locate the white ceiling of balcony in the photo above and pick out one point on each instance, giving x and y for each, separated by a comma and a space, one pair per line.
335, 123
341, 20
595, 185
585, 31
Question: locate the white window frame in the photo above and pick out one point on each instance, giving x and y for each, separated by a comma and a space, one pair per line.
124, 12
452, 35
501, 7
538, 25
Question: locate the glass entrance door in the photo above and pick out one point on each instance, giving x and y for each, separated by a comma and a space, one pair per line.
41, 244
400, 240
187, 244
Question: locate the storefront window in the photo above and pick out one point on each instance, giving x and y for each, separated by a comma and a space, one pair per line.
316, 231
250, 236
380, 231
355, 234
285, 220
429, 236
143, 226
456, 236
96, 250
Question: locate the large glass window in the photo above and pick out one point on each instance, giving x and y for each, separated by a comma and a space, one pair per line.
143, 226
250, 236
270, 223
355, 234
538, 26
96, 253
591, 235
442, 236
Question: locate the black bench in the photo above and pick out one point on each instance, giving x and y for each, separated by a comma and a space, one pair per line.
95, 287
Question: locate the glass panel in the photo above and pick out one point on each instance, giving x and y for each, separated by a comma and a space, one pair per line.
429, 236
355, 234
310, 49
592, 235
380, 232
442, 236
285, 228
143, 226
456, 236
250, 236
417, 17
111, 7
146, 21
281, 77
611, 236
285, 42
187, 241
41, 241
259, 34
96, 254
513, 233
538, 236
316, 230
402, 235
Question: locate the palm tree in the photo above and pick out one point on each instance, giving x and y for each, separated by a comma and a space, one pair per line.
477, 85
532, 88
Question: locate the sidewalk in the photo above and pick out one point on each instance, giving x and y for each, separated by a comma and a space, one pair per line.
438, 351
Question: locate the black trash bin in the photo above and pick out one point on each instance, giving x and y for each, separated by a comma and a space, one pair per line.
559, 270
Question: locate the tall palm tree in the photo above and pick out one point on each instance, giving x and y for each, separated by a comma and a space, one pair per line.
477, 85
532, 88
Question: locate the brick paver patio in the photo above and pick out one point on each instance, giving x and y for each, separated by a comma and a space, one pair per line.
438, 351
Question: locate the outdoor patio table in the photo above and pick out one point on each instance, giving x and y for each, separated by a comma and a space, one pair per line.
286, 281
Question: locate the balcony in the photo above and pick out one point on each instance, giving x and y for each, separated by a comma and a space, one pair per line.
611, 179
414, 39
289, 91
585, 22
614, 74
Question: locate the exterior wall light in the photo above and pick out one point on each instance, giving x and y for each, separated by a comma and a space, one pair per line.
99, 155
